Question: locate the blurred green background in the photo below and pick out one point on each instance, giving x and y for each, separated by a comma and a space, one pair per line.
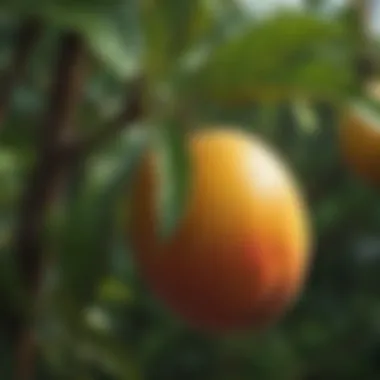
284, 74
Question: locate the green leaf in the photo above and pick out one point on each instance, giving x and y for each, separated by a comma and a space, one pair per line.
105, 40
110, 27
292, 53
173, 177
107, 37
306, 117
181, 22
111, 354
85, 340
89, 229
114, 290
368, 109
169, 28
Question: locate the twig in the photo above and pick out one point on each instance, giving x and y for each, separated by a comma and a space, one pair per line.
26, 39
65, 94
131, 111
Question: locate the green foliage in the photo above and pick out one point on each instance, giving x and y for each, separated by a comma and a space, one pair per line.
173, 176
95, 320
291, 50
169, 27
111, 28
88, 229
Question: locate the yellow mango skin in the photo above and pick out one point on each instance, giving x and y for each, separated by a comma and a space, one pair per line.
359, 141
239, 257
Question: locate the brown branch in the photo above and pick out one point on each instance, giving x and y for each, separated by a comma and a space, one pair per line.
26, 40
66, 92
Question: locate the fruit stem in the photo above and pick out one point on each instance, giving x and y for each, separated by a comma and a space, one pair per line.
50, 165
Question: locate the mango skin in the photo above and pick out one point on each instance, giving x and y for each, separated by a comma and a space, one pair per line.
239, 257
359, 142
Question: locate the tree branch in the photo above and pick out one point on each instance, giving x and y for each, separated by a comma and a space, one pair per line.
66, 93
26, 39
